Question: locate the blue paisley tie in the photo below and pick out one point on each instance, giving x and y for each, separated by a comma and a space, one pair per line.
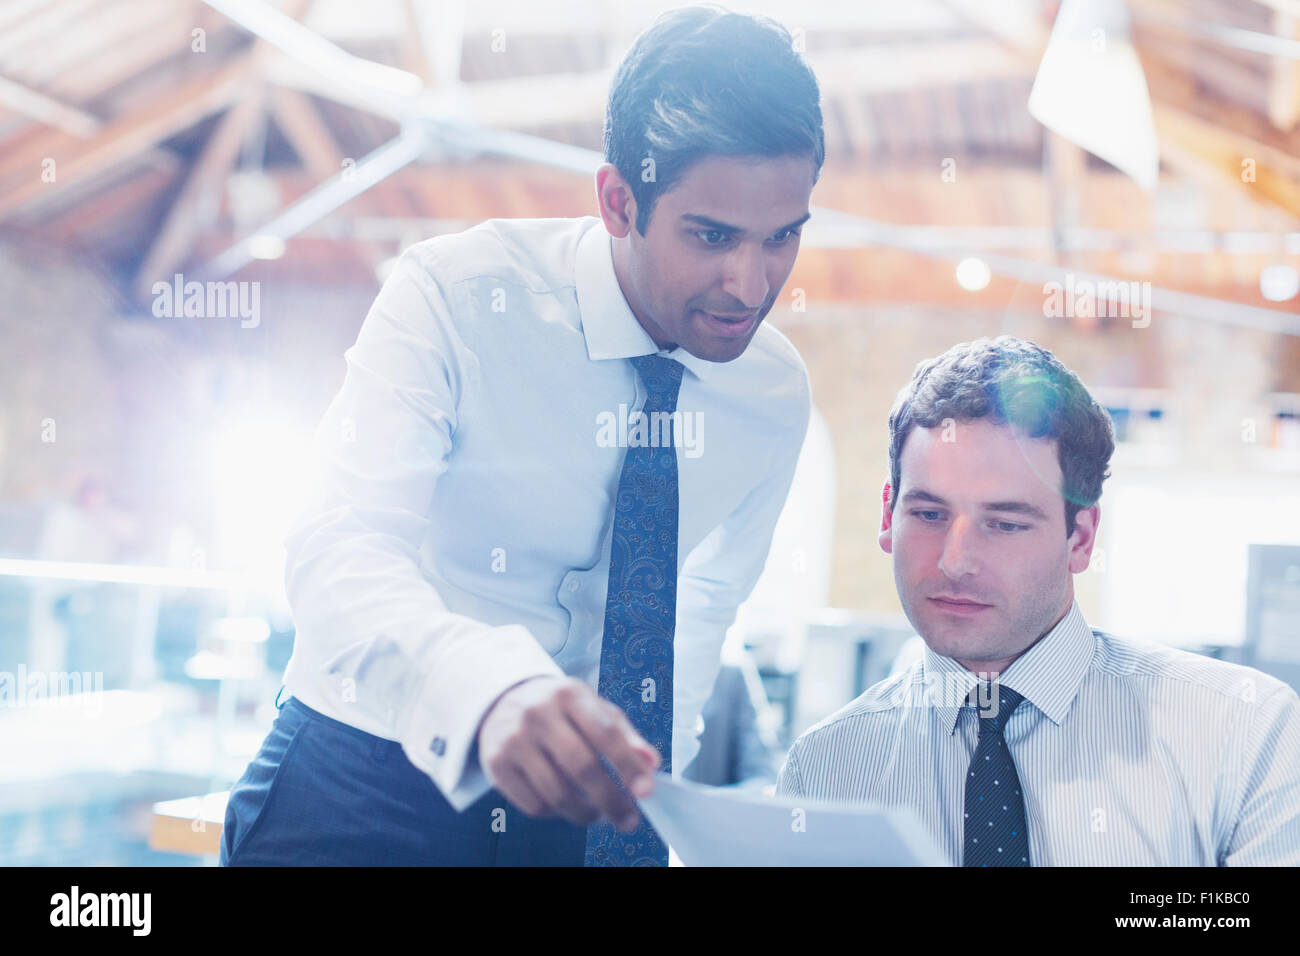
636, 652
996, 834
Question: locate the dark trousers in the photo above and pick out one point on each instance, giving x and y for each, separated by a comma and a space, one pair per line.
323, 793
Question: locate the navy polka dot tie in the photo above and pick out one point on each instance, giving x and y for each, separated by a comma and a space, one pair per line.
636, 651
996, 834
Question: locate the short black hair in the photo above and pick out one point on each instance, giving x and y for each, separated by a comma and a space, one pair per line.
1011, 382
705, 81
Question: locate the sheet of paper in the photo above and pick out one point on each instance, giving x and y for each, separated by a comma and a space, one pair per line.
713, 826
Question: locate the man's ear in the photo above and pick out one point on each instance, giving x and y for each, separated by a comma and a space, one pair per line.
1083, 538
886, 521
617, 204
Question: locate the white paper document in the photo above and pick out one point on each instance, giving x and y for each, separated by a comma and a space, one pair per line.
713, 826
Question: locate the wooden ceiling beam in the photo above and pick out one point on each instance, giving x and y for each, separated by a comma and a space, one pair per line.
1208, 136
1201, 62
206, 180
1246, 165
147, 46
99, 32
46, 20
181, 106
184, 105
47, 110
204, 183
318, 151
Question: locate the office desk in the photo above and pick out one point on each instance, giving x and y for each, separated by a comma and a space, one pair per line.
189, 825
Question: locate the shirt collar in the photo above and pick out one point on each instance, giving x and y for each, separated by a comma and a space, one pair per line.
1047, 675
608, 323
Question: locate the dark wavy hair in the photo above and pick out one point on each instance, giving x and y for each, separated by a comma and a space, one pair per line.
705, 81
1011, 382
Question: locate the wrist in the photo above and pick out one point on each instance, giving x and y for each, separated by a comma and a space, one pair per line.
502, 696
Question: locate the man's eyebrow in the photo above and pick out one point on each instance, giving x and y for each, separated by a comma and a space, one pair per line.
1016, 507
917, 494
1006, 507
726, 227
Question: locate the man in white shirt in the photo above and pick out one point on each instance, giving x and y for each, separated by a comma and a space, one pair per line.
487, 471
1089, 749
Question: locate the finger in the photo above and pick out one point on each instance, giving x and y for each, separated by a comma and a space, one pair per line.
645, 750
556, 742
576, 806
610, 734
575, 757
561, 797
520, 792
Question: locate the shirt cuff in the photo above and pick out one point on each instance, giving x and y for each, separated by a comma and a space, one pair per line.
442, 730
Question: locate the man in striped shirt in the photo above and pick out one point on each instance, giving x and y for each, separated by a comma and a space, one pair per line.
1113, 752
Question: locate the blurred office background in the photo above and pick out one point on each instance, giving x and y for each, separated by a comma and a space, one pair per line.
1145, 152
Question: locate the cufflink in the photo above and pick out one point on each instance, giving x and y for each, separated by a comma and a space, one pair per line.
439, 746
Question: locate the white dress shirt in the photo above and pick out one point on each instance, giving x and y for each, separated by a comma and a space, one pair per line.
1128, 753
459, 541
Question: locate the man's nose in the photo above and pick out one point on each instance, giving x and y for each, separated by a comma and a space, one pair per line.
747, 276
959, 557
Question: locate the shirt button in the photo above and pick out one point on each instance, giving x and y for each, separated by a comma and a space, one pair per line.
439, 746
573, 586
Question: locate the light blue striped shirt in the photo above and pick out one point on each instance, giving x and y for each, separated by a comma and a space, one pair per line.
1128, 753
